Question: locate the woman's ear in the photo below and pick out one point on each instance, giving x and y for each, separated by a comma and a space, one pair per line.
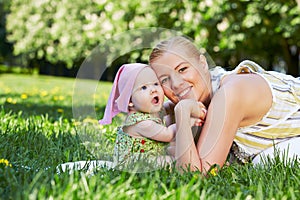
203, 62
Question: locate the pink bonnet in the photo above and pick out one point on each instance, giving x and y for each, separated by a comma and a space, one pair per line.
121, 91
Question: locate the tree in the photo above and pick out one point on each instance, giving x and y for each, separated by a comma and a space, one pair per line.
5, 46
266, 31
66, 31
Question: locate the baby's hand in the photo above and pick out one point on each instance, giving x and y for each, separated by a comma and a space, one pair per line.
196, 120
196, 110
199, 120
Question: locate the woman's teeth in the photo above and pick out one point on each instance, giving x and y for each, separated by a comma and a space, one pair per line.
184, 92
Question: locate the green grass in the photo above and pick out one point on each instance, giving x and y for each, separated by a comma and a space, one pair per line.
38, 132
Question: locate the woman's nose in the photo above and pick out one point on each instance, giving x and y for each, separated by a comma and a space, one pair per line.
176, 81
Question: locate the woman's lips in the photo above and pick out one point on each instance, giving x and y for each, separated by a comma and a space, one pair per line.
184, 92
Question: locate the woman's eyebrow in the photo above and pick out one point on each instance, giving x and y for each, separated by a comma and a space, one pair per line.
161, 76
176, 67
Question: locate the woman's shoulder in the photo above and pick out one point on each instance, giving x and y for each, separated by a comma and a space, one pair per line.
244, 90
248, 66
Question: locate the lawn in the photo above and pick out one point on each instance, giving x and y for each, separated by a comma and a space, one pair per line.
46, 121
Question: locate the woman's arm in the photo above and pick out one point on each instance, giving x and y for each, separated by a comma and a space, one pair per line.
243, 100
237, 103
186, 153
225, 113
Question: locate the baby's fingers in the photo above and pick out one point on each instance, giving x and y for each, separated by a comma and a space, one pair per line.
203, 113
198, 122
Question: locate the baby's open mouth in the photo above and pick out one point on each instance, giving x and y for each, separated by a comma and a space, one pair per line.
155, 100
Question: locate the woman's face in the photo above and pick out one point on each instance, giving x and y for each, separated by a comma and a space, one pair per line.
181, 80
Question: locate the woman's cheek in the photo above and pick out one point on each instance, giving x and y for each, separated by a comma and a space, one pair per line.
170, 95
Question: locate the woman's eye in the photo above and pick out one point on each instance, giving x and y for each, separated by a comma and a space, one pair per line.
144, 87
164, 80
182, 69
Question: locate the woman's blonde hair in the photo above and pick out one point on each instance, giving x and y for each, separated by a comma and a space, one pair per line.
178, 45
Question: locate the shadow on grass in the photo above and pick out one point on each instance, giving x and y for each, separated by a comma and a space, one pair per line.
54, 112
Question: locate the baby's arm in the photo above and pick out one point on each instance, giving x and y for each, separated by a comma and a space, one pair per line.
155, 131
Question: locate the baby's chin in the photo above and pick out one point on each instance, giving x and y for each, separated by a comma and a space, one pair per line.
155, 109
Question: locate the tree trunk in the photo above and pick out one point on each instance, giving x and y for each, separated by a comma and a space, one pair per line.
291, 57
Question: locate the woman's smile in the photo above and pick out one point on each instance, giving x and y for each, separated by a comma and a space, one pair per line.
184, 93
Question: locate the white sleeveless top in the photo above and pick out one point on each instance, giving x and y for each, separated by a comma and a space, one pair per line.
282, 121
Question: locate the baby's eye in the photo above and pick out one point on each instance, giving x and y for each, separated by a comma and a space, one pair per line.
156, 84
144, 87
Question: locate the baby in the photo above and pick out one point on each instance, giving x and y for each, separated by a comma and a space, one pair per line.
144, 134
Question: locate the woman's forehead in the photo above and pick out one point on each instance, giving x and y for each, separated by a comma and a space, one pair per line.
171, 59
169, 62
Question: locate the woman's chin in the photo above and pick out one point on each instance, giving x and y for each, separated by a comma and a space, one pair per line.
188, 96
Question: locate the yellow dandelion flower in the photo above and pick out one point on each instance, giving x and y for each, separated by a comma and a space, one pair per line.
60, 110
5, 162
214, 171
90, 120
9, 100
44, 93
24, 96
61, 97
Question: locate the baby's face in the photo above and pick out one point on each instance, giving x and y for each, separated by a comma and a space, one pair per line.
147, 95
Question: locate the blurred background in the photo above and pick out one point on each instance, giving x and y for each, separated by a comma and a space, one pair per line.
53, 37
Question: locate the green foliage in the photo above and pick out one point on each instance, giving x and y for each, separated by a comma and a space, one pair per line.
67, 30
230, 30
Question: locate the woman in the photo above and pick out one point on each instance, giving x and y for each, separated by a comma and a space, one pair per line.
249, 109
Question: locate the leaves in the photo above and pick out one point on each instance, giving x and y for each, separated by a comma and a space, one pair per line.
67, 30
